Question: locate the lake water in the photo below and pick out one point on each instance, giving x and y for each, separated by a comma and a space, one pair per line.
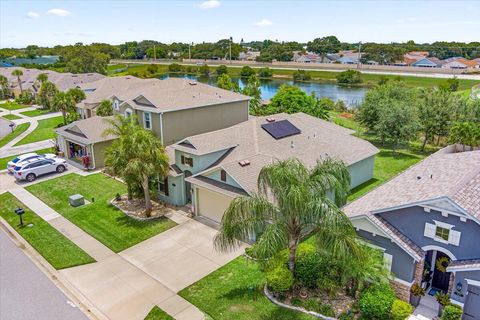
352, 96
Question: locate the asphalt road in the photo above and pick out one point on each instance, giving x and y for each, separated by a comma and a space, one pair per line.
26, 293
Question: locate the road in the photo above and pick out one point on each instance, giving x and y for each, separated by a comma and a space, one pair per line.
26, 292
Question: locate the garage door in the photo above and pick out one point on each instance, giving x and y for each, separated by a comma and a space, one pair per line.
471, 310
211, 204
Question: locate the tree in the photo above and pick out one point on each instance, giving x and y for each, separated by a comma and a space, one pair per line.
265, 72
324, 45
465, 133
4, 87
252, 89
349, 77
105, 109
221, 69
451, 85
77, 94
225, 82
46, 95
382, 53
18, 73
31, 51
84, 59
247, 72
204, 70
42, 77
63, 102
301, 75
299, 206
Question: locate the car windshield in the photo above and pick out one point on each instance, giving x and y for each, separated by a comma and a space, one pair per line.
17, 168
15, 160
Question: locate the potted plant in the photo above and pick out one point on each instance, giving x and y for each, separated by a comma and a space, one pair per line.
416, 293
443, 300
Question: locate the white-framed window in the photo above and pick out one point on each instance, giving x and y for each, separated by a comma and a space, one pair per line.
442, 232
387, 261
187, 161
147, 120
116, 105
128, 112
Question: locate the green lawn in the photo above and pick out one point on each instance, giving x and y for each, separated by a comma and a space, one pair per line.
99, 218
157, 314
36, 112
4, 161
13, 106
18, 130
235, 291
11, 117
59, 251
44, 131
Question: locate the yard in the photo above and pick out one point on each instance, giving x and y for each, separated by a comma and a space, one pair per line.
157, 314
44, 131
99, 218
11, 117
21, 128
13, 106
4, 161
59, 251
36, 112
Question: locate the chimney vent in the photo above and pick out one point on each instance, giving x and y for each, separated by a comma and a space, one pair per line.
244, 163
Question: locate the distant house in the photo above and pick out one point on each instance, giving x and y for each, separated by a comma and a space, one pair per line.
249, 55
348, 60
425, 62
459, 63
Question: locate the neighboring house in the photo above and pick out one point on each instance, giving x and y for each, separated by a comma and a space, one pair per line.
425, 62
249, 55
428, 215
348, 60
211, 169
459, 63
172, 108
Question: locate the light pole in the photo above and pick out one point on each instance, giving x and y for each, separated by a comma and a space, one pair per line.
359, 53
189, 52
231, 49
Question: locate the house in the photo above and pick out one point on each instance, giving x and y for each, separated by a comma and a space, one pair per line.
427, 62
427, 222
173, 109
210, 169
249, 55
459, 63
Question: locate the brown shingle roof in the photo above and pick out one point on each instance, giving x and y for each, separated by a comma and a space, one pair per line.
87, 131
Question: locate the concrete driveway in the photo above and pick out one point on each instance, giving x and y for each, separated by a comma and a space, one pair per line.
180, 256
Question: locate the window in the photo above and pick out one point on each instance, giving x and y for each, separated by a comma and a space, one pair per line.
186, 161
147, 120
128, 113
115, 105
223, 175
442, 233
163, 186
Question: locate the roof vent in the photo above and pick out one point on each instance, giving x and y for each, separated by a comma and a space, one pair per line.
418, 177
270, 119
244, 163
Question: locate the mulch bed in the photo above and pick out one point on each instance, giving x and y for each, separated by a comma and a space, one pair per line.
135, 208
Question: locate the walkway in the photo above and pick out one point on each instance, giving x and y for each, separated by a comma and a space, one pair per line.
426, 310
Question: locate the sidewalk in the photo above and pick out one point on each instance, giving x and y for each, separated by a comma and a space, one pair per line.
25, 148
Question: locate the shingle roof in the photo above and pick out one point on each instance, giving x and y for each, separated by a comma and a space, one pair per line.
248, 141
87, 131
165, 95
446, 173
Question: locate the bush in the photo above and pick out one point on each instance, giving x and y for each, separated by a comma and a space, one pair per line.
308, 267
452, 312
222, 69
401, 310
376, 301
25, 98
247, 72
191, 69
265, 73
324, 309
175, 67
204, 70
301, 75
279, 279
346, 316
349, 77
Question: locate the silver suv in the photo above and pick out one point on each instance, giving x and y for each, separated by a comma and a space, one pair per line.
29, 170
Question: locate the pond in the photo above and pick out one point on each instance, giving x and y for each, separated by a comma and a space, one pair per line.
352, 96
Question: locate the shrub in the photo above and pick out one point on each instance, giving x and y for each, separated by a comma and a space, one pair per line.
346, 316
222, 69
376, 301
442, 298
301, 75
349, 77
452, 312
204, 70
175, 67
265, 73
247, 72
25, 98
308, 267
324, 309
191, 69
417, 290
279, 279
401, 310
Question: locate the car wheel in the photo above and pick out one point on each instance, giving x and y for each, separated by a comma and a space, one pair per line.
60, 169
31, 177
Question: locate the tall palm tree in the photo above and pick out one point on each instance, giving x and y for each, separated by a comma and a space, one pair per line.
63, 102
18, 73
42, 77
292, 203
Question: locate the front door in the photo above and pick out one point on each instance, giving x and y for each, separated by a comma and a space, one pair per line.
471, 309
188, 188
441, 278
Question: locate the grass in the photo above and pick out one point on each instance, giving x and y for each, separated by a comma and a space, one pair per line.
44, 131
36, 112
21, 128
59, 251
100, 219
4, 161
13, 106
11, 117
235, 291
157, 314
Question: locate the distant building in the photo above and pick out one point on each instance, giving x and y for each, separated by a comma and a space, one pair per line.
459, 63
37, 60
249, 55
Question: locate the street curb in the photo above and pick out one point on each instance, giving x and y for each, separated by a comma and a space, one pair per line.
80, 301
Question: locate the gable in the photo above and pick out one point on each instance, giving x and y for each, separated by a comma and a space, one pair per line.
217, 176
75, 130
141, 100
424, 62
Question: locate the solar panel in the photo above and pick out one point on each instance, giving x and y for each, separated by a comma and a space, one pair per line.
281, 129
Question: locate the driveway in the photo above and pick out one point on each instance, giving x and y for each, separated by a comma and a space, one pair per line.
179, 256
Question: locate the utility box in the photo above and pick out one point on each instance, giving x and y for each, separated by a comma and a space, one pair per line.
76, 200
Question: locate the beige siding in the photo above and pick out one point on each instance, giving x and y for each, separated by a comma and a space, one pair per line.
212, 205
99, 153
181, 124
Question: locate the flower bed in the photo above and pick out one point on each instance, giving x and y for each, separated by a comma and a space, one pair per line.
135, 208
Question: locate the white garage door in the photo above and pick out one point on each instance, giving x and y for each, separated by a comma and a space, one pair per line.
212, 205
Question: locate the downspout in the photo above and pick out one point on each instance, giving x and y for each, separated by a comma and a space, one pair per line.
93, 155
161, 128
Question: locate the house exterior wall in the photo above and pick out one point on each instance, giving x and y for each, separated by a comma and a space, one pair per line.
215, 175
99, 153
176, 191
200, 163
411, 222
183, 123
361, 171
460, 277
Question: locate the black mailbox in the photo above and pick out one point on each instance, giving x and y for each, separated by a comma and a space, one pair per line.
19, 212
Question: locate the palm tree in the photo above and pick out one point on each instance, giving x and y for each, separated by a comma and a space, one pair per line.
292, 203
42, 77
104, 109
4, 87
77, 94
63, 102
18, 73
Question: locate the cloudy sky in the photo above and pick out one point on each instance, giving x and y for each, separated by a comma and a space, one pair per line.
48, 23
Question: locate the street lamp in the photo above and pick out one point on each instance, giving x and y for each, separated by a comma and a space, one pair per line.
20, 212
11, 125
231, 39
189, 52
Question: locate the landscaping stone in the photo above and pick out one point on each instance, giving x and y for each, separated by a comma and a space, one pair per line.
135, 208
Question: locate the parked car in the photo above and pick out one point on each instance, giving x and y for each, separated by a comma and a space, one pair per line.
25, 157
29, 170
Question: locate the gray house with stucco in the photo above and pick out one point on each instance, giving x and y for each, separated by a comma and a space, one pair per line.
427, 222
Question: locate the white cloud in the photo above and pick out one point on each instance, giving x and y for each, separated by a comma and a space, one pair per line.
209, 4
264, 23
33, 15
58, 12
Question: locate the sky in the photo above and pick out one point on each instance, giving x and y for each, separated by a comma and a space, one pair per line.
49, 23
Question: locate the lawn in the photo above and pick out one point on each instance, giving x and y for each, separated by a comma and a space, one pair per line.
44, 131
36, 112
18, 130
235, 291
4, 161
59, 251
157, 314
13, 106
99, 218
11, 117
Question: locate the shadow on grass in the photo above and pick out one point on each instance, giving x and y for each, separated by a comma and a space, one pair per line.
397, 155
364, 185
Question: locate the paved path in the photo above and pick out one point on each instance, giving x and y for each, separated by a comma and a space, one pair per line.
25, 148
26, 292
4, 127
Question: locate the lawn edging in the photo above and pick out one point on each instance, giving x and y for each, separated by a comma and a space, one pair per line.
270, 297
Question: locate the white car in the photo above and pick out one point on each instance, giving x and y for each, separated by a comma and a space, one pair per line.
29, 170
25, 157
